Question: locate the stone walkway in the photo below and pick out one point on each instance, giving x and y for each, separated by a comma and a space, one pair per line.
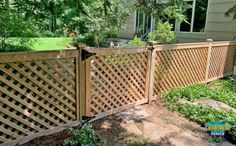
215, 104
152, 125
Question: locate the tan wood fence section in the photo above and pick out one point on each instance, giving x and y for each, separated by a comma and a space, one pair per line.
45, 92
37, 92
118, 79
180, 65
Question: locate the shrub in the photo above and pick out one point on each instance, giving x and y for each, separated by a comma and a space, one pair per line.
163, 34
136, 42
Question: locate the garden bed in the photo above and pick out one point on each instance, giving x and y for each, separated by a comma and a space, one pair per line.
222, 91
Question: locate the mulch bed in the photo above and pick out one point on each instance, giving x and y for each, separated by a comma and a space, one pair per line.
51, 140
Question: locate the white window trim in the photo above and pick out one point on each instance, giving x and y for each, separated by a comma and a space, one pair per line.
152, 27
192, 20
135, 20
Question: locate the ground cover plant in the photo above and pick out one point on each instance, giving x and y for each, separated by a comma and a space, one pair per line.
221, 90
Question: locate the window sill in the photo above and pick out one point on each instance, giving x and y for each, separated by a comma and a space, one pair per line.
182, 32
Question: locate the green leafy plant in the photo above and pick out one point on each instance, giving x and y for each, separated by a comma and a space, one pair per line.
224, 92
163, 34
136, 42
84, 136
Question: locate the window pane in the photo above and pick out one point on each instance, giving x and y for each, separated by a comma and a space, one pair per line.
200, 15
148, 21
187, 26
139, 22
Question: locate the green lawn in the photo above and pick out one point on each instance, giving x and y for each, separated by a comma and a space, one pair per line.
40, 44
36, 44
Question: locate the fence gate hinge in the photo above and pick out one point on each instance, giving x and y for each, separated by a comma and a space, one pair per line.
85, 55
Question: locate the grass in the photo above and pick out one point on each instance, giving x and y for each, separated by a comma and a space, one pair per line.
223, 90
40, 44
36, 44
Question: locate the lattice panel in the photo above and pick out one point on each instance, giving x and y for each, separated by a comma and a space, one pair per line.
117, 80
35, 96
177, 68
221, 62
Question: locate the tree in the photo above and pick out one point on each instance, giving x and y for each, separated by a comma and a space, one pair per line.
11, 27
163, 10
93, 19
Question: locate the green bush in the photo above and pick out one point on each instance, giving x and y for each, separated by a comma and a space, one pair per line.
136, 42
163, 33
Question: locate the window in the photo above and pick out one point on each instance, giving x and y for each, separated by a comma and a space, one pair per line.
196, 16
143, 23
139, 22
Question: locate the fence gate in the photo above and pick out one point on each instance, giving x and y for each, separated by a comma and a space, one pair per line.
117, 80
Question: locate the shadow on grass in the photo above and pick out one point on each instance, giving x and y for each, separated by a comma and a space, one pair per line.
14, 48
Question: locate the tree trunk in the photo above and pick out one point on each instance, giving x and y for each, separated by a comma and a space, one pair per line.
53, 15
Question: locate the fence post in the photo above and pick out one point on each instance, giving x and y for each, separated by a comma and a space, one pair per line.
84, 82
77, 84
208, 59
151, 73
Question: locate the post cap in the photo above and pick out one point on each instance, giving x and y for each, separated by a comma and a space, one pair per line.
152, 43
209, 40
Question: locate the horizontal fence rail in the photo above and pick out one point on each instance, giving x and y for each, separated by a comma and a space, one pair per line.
45, 92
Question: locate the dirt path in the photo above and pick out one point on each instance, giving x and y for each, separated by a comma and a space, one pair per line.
151, 125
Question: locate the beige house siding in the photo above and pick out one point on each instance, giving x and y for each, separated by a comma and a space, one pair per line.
218, 26
129, 29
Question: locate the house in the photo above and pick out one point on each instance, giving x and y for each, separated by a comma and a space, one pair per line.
206, 20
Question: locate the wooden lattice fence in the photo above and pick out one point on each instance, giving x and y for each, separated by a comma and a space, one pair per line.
37, 92
45, 92
184, 64
118, 79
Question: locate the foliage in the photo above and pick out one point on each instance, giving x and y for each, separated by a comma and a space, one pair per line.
84, 136
163, 9
136, 42
203, 114
163, 33
225, 90
95, 20
13, 26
